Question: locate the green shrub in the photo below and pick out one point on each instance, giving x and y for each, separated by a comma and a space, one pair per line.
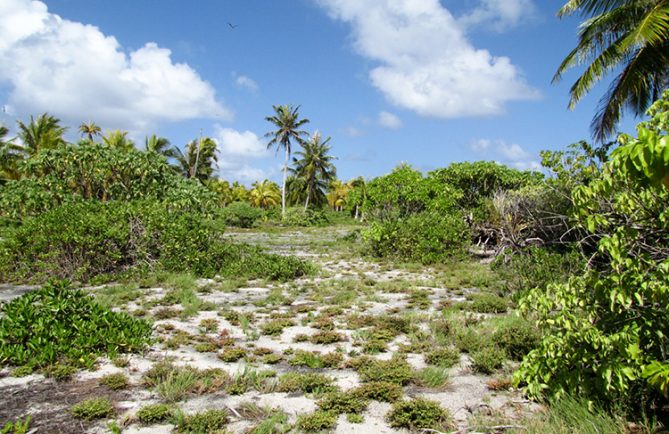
517, 336
115, 381
154, 413
342, 402
332, 360
240, 214
96, 239
488, 359
444, 357
94, 172
232, 354
488, 303
297, 216
432, 377
306, 358
537, 267
57, 323
426, 237
396, 371
379, 391
62, 371
92, 408
209, 421
316, 421
419, 413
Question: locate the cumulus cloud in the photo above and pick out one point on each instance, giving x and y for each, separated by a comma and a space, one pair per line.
389, 120
352, 131
247, 83
76, 72
499, 15
244, 144
425, 61
235, 149
511, 154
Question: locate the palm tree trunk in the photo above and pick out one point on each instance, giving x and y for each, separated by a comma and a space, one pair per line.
306, 203
356, 212
283, 189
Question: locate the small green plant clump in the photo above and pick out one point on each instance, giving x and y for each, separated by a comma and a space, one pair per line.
57, 324
154, 413
275, 327
327, 337
306, 383
419, 414
395, 370
92, 408
116, 381
17, 427
232, 354
443, 357
317, 421
382, 391
209, 421
488, 303
343, 402
488, 359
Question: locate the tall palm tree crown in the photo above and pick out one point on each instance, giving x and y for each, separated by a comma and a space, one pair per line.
160, 145
118, 139
315, 167
631, 36
265, 194
90, 130
45, 132
287, 121
198, 159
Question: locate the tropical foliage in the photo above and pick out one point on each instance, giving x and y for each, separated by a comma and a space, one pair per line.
287, 123
314, 169
626, 37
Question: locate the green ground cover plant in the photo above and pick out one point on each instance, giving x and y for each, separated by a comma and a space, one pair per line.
419, 414
58, 324
92, 408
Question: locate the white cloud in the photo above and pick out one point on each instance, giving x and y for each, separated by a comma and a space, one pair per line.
499, 15
389, 120
426, 63
353, 131
75, 72
239, 143
511, 154
247, 83
235, 149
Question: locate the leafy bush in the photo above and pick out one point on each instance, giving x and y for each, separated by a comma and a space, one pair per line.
92, 408
240, 214
154, 413
81, 241
426, 237
419, 413
537, 267
70, 174
307, 383
232, 354
517, 336
298, 216
57, 323
605, 328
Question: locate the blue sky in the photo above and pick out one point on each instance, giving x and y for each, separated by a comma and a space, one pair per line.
418, 81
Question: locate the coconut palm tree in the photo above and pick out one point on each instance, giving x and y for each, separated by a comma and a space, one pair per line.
89, 130
222, 190
10, 155
198, 160
118, 139
265, 194
45, 132
315, 167
358, 195
287, 121
630, 37
338, 194
239, 193
160, 145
